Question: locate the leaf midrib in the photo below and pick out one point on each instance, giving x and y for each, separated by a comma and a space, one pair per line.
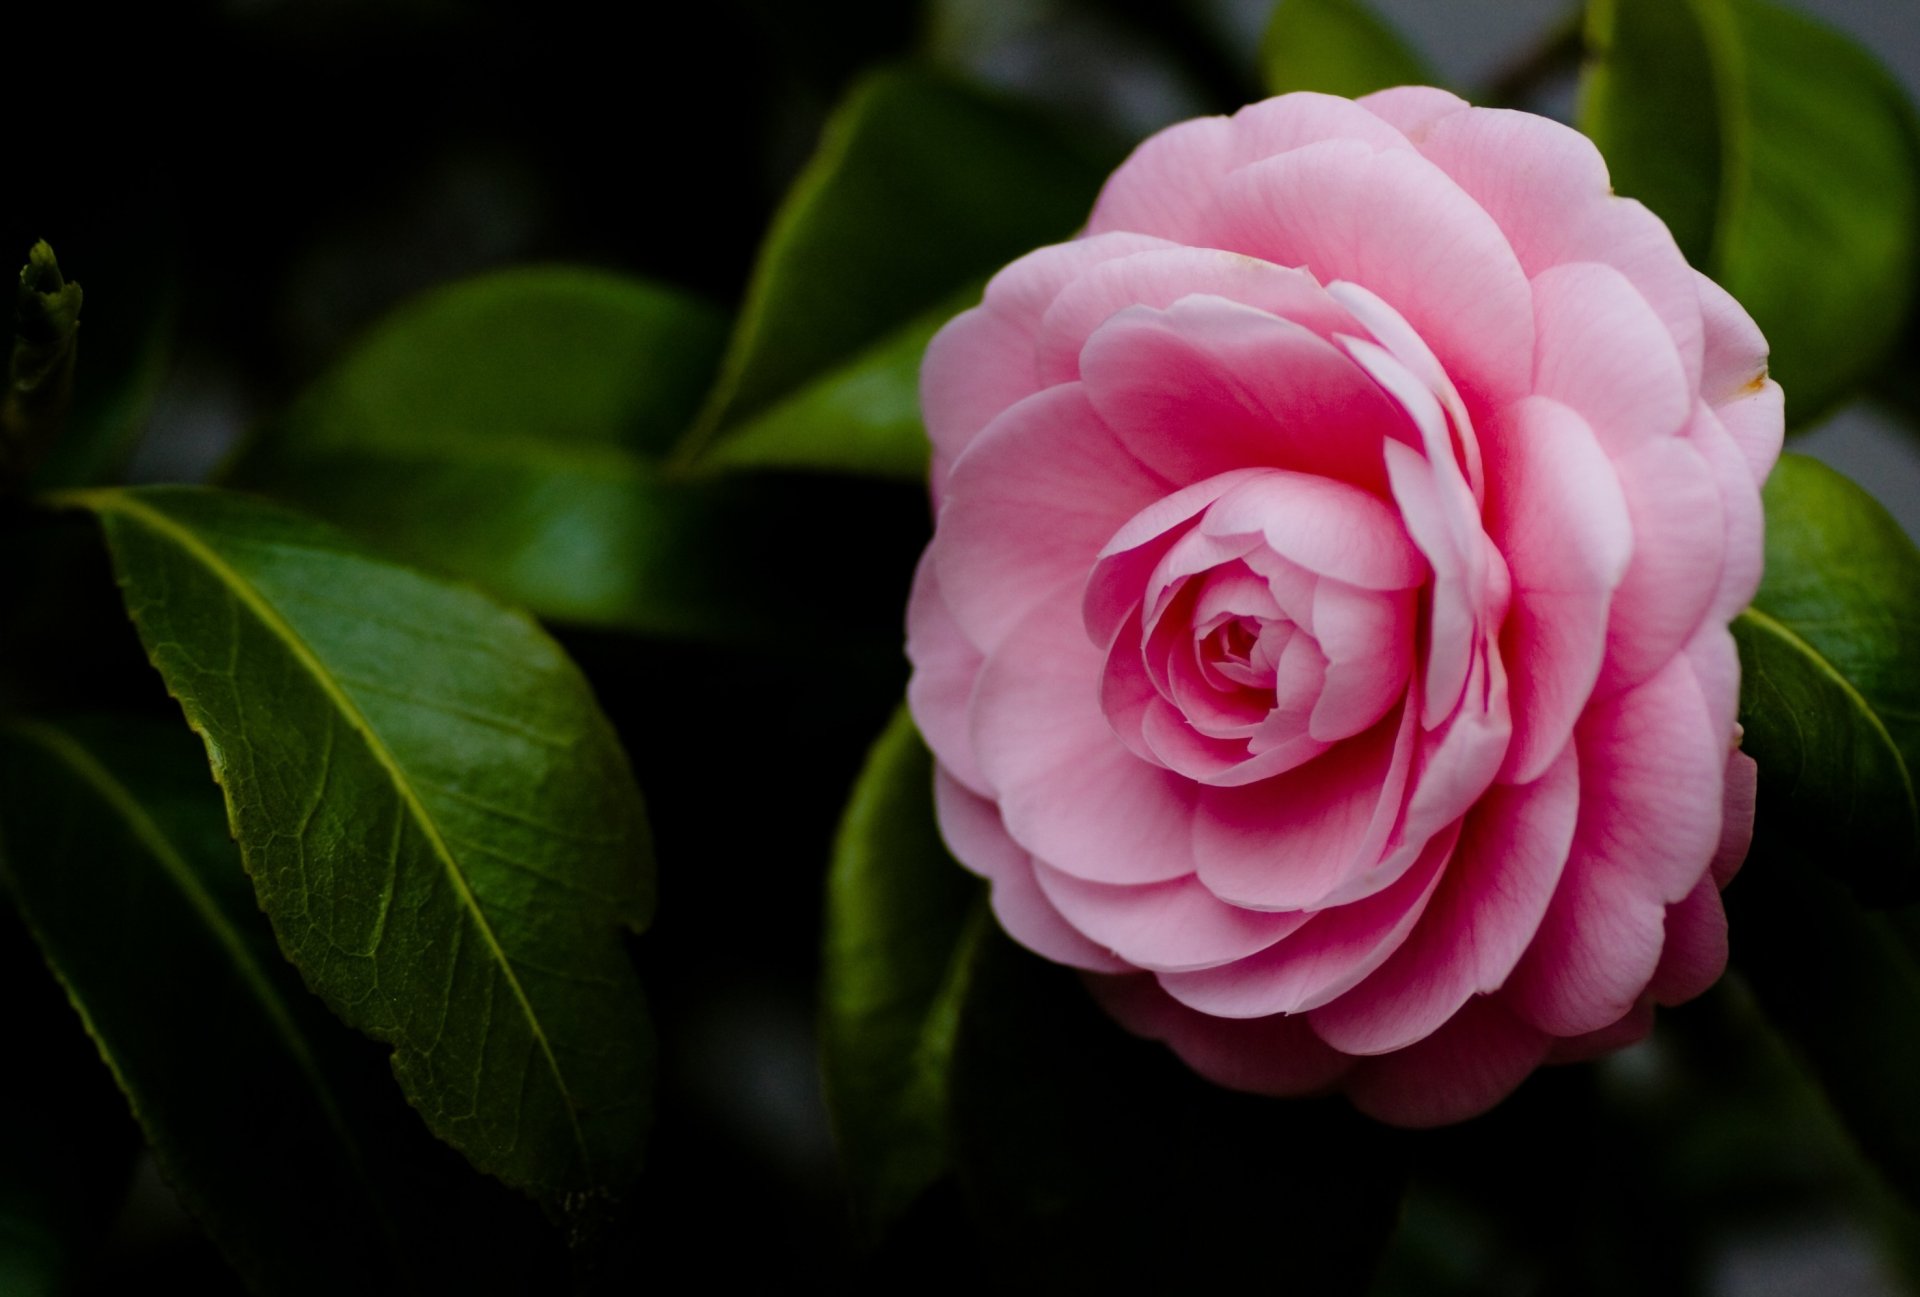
1781, 631
109, 501
88, 769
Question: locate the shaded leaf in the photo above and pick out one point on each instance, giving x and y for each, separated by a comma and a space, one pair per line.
506, 430
66, 1147
902, 919
117, 852
1783, 155
437, 819
1098, 1163
1338, 47
862, 417
918, 187
1829, 698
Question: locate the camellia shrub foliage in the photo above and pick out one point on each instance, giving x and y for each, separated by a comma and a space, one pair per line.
469, 821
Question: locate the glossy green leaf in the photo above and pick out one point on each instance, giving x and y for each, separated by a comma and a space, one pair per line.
1783, 155
436, 817
1096, 1162
1829, 697
919, 186
1338, 47
507, 430
862, 417
117, 852
902, 919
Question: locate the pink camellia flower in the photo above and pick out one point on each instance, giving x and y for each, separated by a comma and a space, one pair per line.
1324, 635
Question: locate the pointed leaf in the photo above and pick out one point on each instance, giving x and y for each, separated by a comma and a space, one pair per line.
117, 852
862, 417
1783, 156
1096, 1162
436, 817
918, 187
1338, 47
507, 429
902, 918
1829, 698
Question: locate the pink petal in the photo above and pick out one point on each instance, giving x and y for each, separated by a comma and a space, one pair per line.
1736, 821
1282, 844
1070, 792
1487, 909
1241, 387
1413, 110
1546, 186
1160, 278
1736, 352
1167, 185
972, 829
1556, 512
1332, 951
1606, 355
1740, 508
1327, 527
1756, 421
1130, 556
982, 361
945, 665
1367, 637
1460, 1071
1652, 782
1171, 926
1395, 223
1615, 1036
1278, 1056
1679, 544
1028, 508
1695, 952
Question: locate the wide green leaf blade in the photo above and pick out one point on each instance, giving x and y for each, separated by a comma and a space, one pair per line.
1829, 698
1338, 47
919, 186
1096, 1162
1784, 156
117, 853
507, 430
902, 918
436, 817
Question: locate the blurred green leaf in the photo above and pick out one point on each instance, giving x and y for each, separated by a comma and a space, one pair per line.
898, 937
1098, 1163
66, 1147
1783, 155
919, 186
862, 417
507, 430
1842, 985
117, 852
436, 817
1338, 47
1829, 697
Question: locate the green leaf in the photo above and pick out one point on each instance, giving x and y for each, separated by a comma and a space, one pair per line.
436, 817
66, 1147
902, 920
1783, 156
507, 430
1829, 697
919, 187
1098, 1163
863, 417
1842, 985
1338, 47
117, 853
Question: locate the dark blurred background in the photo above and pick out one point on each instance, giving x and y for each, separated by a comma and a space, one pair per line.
258, 180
